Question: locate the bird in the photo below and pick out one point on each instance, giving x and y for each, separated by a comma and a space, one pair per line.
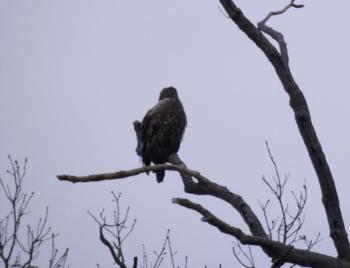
162, 130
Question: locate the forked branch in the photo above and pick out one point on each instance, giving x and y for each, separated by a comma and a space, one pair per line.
274, 13
279, 252
303, 119
18, 250
278, 36
200, 185
118, 229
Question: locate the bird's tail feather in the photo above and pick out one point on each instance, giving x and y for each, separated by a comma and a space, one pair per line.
160, 175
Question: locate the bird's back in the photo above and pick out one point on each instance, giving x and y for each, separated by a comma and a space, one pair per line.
162, 131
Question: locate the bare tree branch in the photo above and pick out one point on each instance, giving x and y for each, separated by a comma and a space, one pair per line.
161, 253
303, 119
276, 250
132, 172
14, 250
290, 224
278, 36
110, 248
247, 256
118, 229
203, 187
274, 13
171, 252
56, 261
206, 187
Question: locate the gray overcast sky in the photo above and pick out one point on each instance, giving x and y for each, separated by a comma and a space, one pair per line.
74, 74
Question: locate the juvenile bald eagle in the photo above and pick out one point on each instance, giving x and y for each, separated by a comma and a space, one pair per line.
162, 129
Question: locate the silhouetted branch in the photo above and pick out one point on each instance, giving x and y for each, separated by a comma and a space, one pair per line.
274, 13
303, 119
166, 249
224, 227
171, 252
130, 173
203, 187
118, 229
160, 254
311, 243
206, 187
290, 224
14, 250
55, 260
277, 36
274, 249
245, 256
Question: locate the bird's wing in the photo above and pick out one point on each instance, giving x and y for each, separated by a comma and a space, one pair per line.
151, 119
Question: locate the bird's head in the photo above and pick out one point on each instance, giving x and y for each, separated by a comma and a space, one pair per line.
168, 92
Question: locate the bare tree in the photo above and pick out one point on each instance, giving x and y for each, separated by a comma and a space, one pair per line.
19, 248
286, 227
278, 249
119, 229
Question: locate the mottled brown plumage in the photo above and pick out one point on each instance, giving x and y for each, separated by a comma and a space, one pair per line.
162, 130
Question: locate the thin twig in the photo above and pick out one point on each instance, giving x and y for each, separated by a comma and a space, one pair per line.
275, 13
278, 36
